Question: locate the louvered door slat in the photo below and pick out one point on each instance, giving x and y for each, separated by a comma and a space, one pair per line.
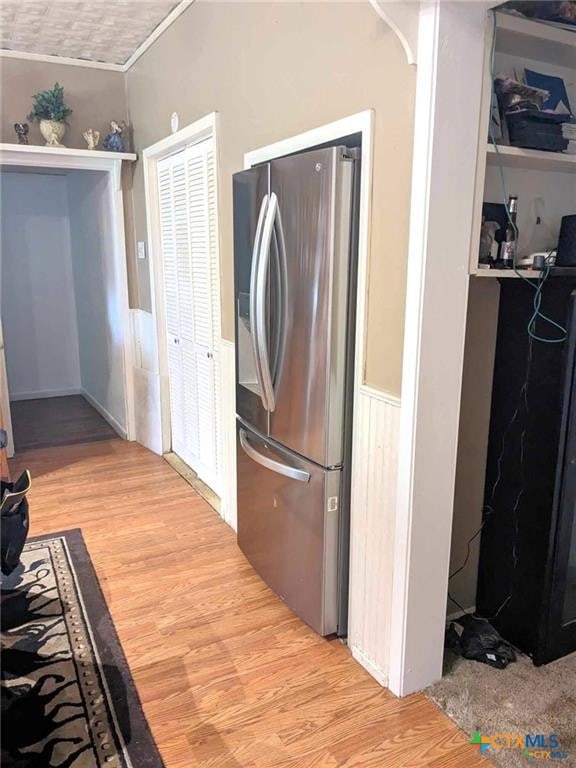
190, 392
182, 234
167, 241
188, 223
206, 412
177, 416
199, 242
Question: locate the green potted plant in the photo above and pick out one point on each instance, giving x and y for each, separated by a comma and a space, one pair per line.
51, 112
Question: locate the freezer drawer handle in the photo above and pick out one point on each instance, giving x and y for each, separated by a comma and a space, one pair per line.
275, 466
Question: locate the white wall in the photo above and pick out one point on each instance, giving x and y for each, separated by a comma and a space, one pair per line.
96, 282
38, 307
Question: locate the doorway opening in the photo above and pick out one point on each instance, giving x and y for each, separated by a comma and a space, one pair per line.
182, 209
61, 309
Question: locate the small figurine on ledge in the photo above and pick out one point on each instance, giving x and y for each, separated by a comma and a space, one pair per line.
114, 141
91, 137
22, 132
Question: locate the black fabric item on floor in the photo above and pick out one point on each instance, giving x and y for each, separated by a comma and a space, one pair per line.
479, 641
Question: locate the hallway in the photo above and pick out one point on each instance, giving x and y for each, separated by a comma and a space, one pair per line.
228, 676
53, 421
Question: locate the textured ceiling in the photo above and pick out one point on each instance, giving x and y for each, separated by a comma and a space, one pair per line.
98, 31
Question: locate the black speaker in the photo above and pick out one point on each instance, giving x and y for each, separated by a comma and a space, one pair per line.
566, 256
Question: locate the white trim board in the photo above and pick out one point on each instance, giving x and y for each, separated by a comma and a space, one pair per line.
379, 394
33, 154
200, 130
47, 58
373, 494
443, 184
114, 67
156, 33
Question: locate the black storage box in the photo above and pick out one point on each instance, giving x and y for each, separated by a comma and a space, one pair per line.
566, 256
536, 130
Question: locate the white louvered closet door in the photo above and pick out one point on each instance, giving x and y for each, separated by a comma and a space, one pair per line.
187, 190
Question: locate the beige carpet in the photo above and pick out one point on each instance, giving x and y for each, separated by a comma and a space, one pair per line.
520, 699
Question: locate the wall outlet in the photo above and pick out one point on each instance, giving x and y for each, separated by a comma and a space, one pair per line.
141, 249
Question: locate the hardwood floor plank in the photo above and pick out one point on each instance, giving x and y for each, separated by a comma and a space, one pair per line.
228, 676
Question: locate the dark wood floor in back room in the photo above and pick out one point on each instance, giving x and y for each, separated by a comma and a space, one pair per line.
228, 676
55, 421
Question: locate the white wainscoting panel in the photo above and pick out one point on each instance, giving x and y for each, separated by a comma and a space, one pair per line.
148, 421
144, 336
373, 507
228, 415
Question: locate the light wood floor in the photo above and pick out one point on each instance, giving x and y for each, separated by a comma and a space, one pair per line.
228, 676
52, 421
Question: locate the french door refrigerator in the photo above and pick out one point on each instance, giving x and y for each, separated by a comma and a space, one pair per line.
294, 256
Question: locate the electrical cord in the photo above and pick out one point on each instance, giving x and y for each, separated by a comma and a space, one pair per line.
523, 398
522, 401
538, 286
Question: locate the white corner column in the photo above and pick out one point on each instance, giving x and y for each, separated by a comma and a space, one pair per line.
449, 81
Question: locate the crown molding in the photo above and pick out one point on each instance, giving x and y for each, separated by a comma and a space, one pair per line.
142, 48
155, 34
48, 59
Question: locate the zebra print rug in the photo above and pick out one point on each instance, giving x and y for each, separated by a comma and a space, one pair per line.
68, 700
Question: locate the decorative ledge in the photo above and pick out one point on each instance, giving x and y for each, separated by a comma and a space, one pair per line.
66, 159
9, 153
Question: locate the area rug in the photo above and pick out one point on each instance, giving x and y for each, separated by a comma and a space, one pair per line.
68, 700
521, 699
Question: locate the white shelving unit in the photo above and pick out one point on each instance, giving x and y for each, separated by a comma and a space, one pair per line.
530, 159
528, 39
529, 173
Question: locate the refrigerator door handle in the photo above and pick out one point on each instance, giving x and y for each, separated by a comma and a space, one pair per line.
276, 466
282, 292
254, 326
261, 291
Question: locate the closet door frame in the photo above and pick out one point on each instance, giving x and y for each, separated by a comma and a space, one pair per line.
199, 131
66, 159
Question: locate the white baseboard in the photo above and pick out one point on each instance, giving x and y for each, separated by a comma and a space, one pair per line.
40, 394
104, 413
370, 666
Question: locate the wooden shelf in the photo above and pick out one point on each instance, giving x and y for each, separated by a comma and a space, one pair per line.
530, 39
530, 159
531, 273
65, 152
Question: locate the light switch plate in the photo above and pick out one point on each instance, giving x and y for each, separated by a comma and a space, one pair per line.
141, 249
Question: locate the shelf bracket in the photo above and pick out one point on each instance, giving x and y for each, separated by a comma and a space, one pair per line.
402, 18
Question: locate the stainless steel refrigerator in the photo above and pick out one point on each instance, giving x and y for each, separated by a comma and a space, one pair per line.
294, 255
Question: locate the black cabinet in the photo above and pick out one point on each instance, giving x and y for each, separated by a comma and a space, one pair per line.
527, 571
